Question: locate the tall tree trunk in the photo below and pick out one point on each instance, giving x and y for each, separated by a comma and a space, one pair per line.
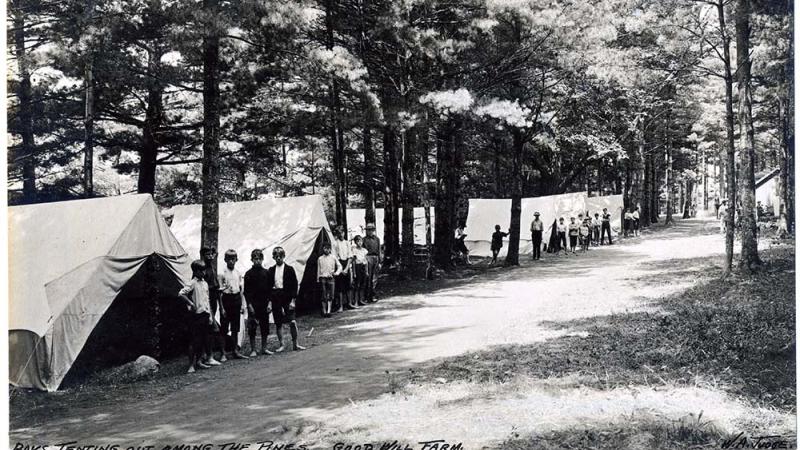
446, 193
730, 160
148, 154
391, 194
705, 180
336, 136
669, 178
27, 153
409, 196
517, 145
369, 175
786, 105
209, 230
655, 193
687, 205
88, 128
747, 181
647, 190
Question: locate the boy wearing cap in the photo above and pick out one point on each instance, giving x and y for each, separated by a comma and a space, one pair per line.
282, 280
373, 245
256, 294
195, 294
232, 299
537, 227
327, 269
585, 233
497, 242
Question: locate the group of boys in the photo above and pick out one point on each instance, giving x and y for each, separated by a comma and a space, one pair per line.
347, 279
584, 231
261, 291
352, 273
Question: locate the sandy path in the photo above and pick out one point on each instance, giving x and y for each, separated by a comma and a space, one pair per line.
340, 387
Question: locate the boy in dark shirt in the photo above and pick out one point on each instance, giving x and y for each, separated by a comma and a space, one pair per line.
256, 294
497, 242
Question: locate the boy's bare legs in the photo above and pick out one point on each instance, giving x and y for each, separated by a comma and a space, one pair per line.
279, 333
293, 331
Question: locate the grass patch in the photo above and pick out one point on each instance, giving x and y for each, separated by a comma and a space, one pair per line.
737, 335
690, 432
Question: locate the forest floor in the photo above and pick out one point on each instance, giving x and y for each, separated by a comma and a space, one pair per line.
636, 345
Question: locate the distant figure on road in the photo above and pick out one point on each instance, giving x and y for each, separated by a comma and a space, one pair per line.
635, 215
497, 242
605, 227
537, 228
716, 207
722, 215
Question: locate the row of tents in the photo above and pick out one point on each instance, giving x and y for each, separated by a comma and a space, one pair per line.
90, 280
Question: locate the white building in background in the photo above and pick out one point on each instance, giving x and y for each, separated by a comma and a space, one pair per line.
767, 191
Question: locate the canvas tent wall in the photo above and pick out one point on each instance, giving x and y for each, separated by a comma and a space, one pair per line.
297, 224
356, 223
68, 262
484, 214
613, 203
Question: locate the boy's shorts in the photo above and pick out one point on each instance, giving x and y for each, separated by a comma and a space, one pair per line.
233, 312
281, 310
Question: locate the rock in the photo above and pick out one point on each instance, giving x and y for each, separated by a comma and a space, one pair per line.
143, 367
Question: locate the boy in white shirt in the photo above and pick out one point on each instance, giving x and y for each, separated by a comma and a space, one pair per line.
197, 301
328, 267
233, 303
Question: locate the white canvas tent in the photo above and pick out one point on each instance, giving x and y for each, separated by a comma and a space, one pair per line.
615, 206
356, 224
484, 214
297, 224
68, 261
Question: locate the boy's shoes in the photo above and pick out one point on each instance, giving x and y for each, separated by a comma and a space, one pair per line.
253, 354
191, 369
237, 355
266, 352
213, 362
280, 349
298, 347
223, 358
201, 365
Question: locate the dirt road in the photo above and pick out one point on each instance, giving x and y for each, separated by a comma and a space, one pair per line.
342, 390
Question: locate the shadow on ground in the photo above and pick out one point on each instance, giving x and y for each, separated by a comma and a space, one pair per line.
737, 335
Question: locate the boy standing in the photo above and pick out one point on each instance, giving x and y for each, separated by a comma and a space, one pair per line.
605, 227
360, 270
561, 232
596, 224
256, 294
216, 338
573, 234
537, 227
585, 233
341, 247
497, 242
328, 268
232, 299
373, 245
200, 309
282, 280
